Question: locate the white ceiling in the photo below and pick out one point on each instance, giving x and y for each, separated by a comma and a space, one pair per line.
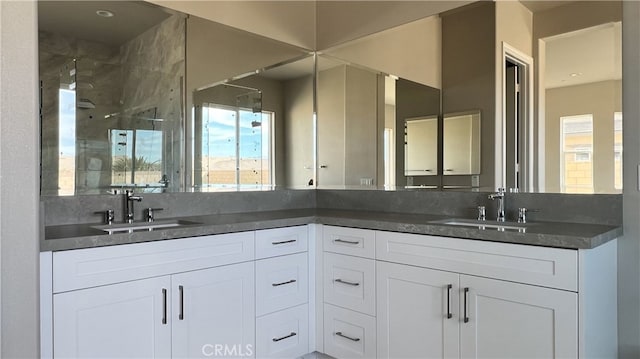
585, 56
131, 19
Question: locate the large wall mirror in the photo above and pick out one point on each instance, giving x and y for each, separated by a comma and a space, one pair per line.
168, 102
129, 100
111, 105
544, 77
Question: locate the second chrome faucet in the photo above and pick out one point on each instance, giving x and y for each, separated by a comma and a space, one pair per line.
129, 198
499, 196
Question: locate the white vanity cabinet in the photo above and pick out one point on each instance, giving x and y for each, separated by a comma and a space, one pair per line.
452, 297
121, 320
182, 298
282, 292
213, 309
439, 297
349, 291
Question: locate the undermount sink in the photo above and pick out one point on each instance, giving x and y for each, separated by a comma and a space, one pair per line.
142, 226
500, 226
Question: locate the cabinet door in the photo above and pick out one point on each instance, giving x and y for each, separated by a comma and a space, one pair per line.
513, 320
125, 320
214, 312
413, 312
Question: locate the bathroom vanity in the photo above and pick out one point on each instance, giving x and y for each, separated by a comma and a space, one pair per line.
351, 284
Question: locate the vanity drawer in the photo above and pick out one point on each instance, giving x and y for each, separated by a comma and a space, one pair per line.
283, 334
351, 241
549, 267
348, 334
281, 241
91, 267
281, 282
350, 282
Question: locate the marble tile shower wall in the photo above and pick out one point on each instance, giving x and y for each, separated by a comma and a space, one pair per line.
601, 209
121, 87
98, 79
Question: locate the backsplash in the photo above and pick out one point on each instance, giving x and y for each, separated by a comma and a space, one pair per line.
600, 208
81, 209
552, 207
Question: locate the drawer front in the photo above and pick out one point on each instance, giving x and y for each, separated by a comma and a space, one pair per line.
549, 267
92, 267
349, 282
348, 334
281, 282
283, 334
352, 241
281, 241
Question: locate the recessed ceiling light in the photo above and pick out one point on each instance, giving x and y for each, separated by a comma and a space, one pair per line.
576, 74
104, 13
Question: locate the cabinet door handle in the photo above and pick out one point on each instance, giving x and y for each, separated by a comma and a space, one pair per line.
466, 316
181, 291
355, 284
284, 242
347, 337
164, 306
283, 283
293, 334
346, 242
449, 315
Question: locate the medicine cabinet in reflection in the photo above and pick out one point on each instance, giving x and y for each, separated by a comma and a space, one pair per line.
461, 143
421, 146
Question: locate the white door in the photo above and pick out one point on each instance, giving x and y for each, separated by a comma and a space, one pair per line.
417, 312
513, 320
214, 312
125, 320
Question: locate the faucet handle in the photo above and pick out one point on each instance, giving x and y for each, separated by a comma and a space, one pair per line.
150, 213
482, 213
107, 215
522, 215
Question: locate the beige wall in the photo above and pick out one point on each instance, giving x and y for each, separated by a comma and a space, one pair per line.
342, 21
362, 126
601, 99
298, 132
563, 19
388, 52
514, 25
469, 77
291, 22
217, 52
19, 181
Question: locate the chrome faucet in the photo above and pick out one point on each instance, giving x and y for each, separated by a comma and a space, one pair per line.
129, 198
500, 197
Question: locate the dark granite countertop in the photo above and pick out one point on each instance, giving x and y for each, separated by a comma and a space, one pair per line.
548, 234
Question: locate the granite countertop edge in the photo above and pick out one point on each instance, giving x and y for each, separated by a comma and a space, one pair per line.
546, 234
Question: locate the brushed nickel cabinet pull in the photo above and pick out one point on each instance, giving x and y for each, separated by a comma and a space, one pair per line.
347, 337
345, 241
285, 337
449, 315
284, 242
345, 282
164, 306
181, 290
466, 316
283, 283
